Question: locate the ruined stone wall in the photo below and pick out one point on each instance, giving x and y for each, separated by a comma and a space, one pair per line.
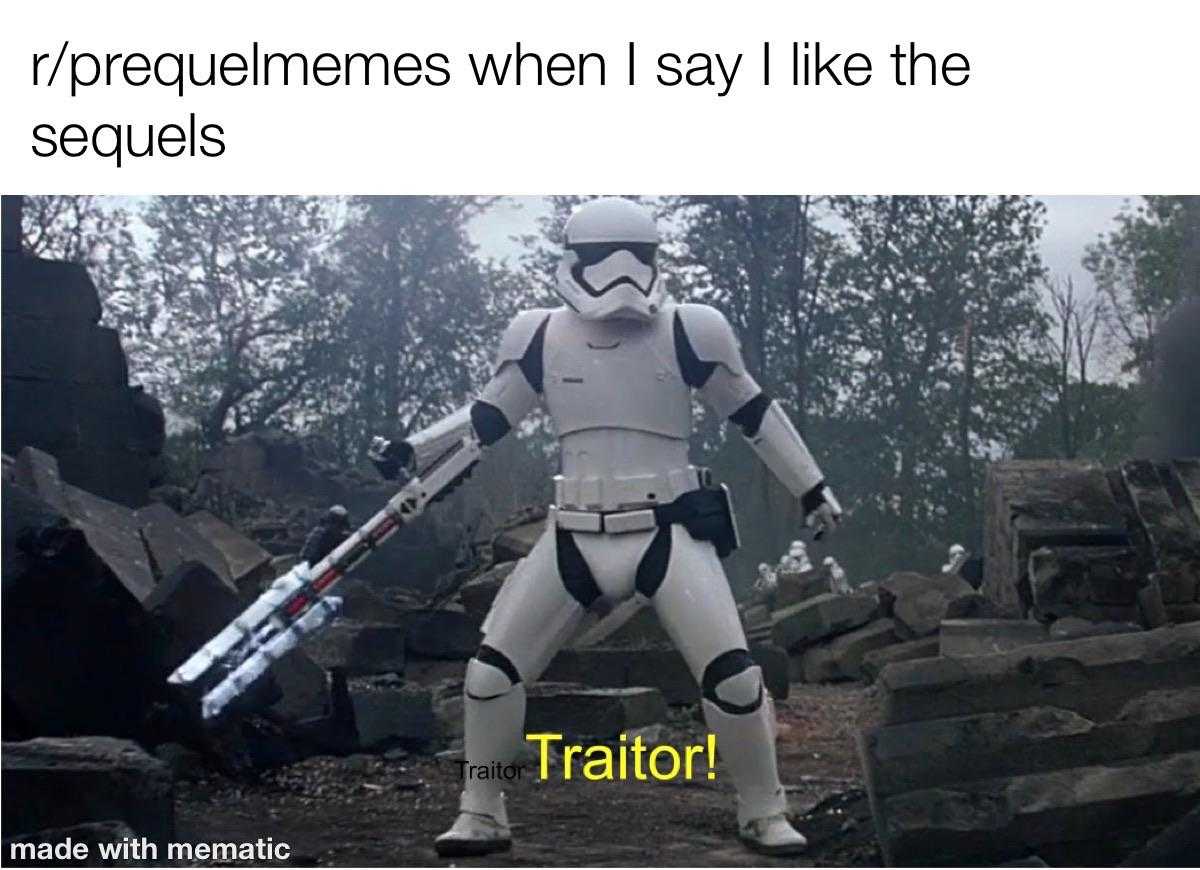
65, 379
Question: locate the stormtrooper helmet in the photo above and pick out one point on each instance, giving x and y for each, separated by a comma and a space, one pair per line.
608, 266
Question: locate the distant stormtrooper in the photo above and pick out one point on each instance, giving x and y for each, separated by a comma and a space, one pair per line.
615, 368
838, 582
767, 580
957, 556
796, 559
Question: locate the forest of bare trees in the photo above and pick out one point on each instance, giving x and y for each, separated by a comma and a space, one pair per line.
912, 338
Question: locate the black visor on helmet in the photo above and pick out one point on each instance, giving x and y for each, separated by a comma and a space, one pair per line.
591, 253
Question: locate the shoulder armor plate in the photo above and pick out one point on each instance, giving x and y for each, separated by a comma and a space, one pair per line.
711, 336
519, 334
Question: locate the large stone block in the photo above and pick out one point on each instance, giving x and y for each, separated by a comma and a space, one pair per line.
48, 289
1037, 503
919, 602
304, 688
642, 629
797, 586
362, 603
88, 837
1091, 582
359, 648
77, 352
56, 782
841, 658
1170, 529
249, 564
661, 669
606, 668
38, 472
973, 605
441, 634
80, 654
756, 622
1094, 676
1074, 627
114, 534
992, 820
191, 605
586, 713
478, 593
816, 619
939, 752
388, 714
172, 541
874, 661
517, 542
981, 637
91, 429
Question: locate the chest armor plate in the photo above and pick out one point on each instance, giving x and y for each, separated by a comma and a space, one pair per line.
615, 374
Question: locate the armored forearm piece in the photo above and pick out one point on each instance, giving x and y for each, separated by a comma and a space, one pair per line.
784, 452
430, 443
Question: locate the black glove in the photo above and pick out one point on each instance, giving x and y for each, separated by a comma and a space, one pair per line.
390, 458
821, 510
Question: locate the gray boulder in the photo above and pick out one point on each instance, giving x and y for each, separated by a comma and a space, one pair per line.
586, 713
816, 619
919, 602
359, 648
56, 782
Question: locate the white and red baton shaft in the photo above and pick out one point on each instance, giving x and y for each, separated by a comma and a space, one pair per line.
297, 603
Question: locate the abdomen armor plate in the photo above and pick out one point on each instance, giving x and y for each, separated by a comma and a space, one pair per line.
617, 374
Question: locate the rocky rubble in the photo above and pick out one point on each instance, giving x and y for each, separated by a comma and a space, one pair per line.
1071, 751
1074, 539
66, 383
273, 488
58, 782
1065, 726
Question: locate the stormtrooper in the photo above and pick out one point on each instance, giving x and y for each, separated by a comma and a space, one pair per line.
615, 367
796, 558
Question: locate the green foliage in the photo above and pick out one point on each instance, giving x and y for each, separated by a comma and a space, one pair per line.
239, 306
1146, 264
183, 457
899, 332
96, 231
908, 336
422, 315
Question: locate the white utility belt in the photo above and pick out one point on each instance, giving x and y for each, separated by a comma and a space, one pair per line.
612, 522
576, 500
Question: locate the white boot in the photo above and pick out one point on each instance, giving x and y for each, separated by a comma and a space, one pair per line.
493, 736
480, 829
773, 835
746, 743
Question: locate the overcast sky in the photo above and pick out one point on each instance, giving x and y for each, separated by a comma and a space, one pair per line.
1072, 222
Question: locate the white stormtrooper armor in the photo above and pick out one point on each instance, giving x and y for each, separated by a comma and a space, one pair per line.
839, 583
957, 556
796, 559
632, 516
767, 580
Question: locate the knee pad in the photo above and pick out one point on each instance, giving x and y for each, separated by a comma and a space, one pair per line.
490, 674
733, 682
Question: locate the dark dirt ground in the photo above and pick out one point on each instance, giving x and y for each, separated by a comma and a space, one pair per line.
376, 811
